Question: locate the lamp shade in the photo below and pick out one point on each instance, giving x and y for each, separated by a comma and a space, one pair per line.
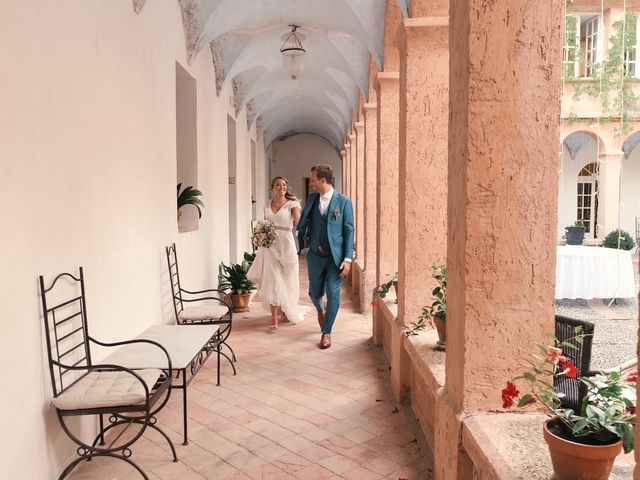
292, 53
292, 65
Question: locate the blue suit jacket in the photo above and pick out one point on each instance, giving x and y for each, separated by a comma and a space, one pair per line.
340, 229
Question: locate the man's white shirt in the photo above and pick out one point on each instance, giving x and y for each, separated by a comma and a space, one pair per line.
325, 199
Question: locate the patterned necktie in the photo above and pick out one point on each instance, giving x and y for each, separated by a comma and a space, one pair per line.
323, 205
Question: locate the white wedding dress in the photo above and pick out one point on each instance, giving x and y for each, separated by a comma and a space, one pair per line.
275, 269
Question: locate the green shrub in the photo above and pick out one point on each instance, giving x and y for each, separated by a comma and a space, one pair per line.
626, 242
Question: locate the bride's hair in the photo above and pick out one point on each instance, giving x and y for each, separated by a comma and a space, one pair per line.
289, 195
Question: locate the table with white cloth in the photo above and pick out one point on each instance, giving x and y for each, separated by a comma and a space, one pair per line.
594, 272
189, 347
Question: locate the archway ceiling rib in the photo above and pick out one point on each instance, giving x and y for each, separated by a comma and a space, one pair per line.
339, 36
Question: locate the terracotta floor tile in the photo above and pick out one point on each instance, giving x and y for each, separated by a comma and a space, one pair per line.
337, 463
293, 411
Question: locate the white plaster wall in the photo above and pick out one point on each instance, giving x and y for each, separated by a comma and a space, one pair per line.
88, 177
567, 198
629, 192
294, 156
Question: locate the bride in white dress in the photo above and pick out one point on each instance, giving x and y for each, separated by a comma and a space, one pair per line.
275, 269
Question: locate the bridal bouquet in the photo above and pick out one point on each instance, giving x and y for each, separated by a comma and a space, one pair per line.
264, 234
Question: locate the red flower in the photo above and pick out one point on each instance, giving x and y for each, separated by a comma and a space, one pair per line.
632, 377
570, 370
508, 394
555, 356
631, 410
374, 304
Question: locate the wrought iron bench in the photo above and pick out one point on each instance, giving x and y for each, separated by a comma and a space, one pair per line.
215, 309
130, 398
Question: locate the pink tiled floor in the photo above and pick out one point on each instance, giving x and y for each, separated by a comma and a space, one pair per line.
292, 412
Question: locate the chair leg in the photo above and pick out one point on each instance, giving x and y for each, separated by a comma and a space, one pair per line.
233, 354
173, 449
73, 464
230, 362
218, 347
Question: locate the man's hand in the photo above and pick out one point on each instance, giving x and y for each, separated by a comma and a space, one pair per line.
344, 269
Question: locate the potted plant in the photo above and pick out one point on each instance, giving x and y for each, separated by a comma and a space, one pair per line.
619, 239
575, 233
189, 196
234, 278
583, 444
382, 290
436, 313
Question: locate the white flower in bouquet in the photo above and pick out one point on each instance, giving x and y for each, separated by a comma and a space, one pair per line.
264, 234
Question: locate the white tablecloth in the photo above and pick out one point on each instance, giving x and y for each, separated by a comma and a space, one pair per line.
594, 272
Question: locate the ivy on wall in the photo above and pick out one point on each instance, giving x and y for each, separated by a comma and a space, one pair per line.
611, 82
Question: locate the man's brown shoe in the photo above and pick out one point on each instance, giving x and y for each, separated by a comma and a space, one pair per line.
321, 319
325, 341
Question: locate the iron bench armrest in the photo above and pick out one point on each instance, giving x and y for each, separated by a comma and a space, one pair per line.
224, 297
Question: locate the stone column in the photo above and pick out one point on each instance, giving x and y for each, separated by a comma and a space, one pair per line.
370, 198
609, 195
423, 46
387, 176
502, 196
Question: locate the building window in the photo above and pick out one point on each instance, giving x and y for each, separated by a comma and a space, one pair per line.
571, 47
589, 40
631, 45
588, 198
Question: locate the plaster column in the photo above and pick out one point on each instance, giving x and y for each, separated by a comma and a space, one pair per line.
352, 171
370, 198
423, 46
343, 156
387, 176
359, 193
347, 171
502, 198
609, 195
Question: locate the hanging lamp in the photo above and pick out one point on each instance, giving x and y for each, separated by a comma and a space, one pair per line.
292, 53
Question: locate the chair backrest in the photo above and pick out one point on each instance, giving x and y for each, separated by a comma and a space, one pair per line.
64, 311
174, 277
573, 388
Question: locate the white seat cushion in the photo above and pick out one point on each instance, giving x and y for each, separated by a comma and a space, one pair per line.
107, 389
209, 312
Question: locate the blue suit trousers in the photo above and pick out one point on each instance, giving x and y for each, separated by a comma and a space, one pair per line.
324, 278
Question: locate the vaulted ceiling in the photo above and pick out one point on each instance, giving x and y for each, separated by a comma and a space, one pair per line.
244, 37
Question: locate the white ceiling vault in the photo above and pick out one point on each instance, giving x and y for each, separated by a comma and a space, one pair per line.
244, 37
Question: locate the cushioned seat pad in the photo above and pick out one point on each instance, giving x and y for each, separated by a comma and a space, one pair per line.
107, 389
209, 312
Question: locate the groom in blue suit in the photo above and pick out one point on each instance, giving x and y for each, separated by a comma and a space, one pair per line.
326, 226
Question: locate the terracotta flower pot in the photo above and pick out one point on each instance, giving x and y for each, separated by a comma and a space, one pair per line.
441, 327
577, 461
240, 301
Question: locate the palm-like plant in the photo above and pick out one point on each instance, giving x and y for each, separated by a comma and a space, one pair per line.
234, 278
189, 196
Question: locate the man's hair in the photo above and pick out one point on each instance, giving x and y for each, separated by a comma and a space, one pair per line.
324, 171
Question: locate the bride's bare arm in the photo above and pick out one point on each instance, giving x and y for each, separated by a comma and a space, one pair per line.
295, 213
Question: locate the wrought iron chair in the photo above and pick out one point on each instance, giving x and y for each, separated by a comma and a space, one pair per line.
216, 309
573, 388
80, 387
